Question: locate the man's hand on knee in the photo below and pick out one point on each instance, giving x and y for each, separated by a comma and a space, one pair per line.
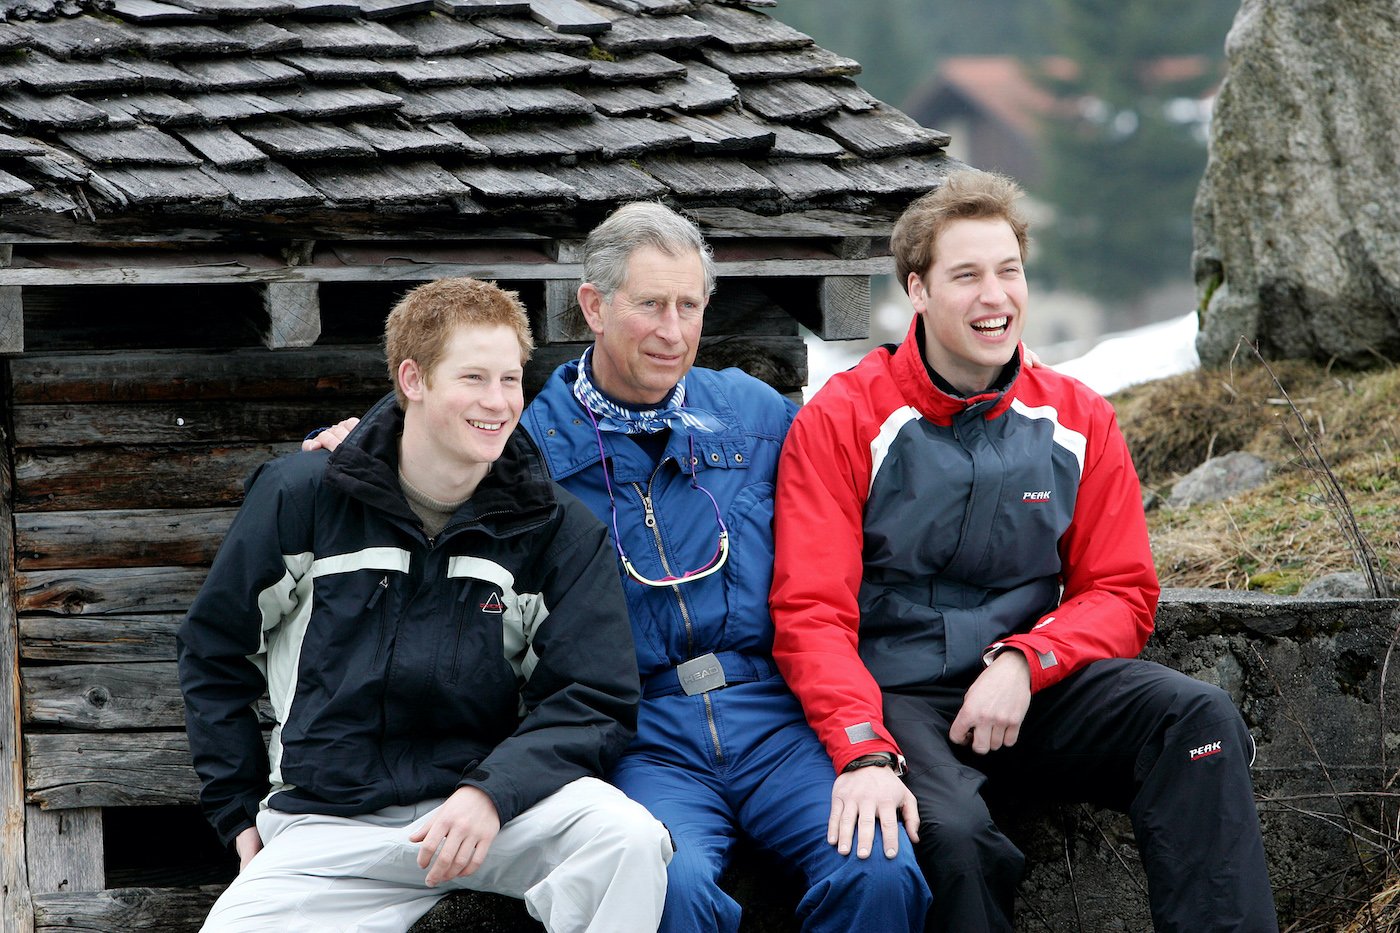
247, 844
330, 438
860, 799
995, 705
455, 841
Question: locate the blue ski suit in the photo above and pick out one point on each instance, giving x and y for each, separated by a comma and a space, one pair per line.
739, 758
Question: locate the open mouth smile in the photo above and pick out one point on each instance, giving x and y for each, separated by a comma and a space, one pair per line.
992, 327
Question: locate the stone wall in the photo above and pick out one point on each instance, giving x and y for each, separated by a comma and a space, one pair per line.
1307, 676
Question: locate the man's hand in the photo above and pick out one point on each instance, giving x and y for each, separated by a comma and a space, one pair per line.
330, 438
858, 799
1031, 358
459, 834
995, 705
247, 844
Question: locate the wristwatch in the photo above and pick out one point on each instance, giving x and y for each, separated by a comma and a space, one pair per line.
876, 760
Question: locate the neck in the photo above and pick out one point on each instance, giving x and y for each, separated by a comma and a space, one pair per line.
430, 473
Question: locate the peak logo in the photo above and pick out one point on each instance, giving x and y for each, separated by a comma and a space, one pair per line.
1205, 751
1039, 495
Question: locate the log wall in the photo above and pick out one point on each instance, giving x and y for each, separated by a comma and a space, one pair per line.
132, 415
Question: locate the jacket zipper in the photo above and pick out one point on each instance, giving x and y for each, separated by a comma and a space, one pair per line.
374, 600
650, 520
461, 624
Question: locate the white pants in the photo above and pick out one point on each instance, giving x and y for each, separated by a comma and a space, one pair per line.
585, 858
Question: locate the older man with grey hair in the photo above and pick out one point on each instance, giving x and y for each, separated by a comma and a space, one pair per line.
680, 462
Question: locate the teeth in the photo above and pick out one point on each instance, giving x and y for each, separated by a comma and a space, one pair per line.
485, 425
996, 323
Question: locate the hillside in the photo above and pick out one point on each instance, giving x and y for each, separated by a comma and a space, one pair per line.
1282, 535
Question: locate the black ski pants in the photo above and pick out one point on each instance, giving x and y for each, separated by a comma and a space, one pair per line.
1131, 735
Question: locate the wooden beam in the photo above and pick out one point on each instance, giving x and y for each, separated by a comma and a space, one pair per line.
563, 319
294, 314
133, 910
123, 590
15, 907
11, 319
843, 304
236, 273
104, 639
64, 850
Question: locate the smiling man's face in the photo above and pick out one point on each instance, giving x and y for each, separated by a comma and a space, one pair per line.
973, 302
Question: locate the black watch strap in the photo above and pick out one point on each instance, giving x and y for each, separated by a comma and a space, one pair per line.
876, 760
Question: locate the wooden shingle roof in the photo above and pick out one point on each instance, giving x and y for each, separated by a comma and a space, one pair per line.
473, 113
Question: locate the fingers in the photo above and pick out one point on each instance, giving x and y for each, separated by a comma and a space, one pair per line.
889, 831
910, 808
451, 856
865, 831
846, 828
833, 821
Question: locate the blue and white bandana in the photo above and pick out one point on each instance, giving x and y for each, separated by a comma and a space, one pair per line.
614, 417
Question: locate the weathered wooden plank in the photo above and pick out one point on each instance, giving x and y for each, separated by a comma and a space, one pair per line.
139, 144
568, 16
294, 314
241, 74
12, 186
244, 374
355, 38
219, 107
724, 132
612, 181
322, 67
519, 183
152, 11
563, 319
882, 132
152, 185
528, 34
15, 907
776, 65
649, 33
51, 76
168, 423
154, 107
378, 184
223, 147
58, 112
442, 35
790, 100
388, 9
263, 38
267, 187
64, 850
183, 40
184, 477
98, 639
800, 179
792, 143
646, 68
454, 103
483, 7
735, 222
702, 88
11, 319
747, 183
118, 769
131, 590
132, 910
141, 695
744, 31
700, 178
626, 100
397, 140
118, 537
80, 37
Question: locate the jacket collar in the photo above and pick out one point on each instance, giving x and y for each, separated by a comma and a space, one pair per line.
515, 496
569, 444
910, 372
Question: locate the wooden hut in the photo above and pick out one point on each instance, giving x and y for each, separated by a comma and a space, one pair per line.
206, 209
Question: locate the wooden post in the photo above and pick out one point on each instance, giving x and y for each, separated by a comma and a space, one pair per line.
11, 319
16, 911
844, 304
563, 321
64, 850
294, 314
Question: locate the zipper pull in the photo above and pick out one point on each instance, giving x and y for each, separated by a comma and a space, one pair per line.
651, 516
379, 592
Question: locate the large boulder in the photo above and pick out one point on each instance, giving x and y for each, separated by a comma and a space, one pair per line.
1297, 231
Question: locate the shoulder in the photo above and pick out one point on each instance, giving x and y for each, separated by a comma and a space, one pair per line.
865, 391
1077, 404
755, 404
295, 472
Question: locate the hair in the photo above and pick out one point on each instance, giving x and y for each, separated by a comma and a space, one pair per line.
422, 322
631, 227
964, 195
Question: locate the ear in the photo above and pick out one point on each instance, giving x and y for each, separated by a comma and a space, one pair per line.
590, 301
918, 295
412, 380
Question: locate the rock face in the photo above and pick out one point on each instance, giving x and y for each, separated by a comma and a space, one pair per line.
1220, 478
1297, 231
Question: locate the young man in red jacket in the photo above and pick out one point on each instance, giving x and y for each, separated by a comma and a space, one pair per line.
962, 582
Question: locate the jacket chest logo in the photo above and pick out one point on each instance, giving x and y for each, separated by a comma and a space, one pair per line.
493, 604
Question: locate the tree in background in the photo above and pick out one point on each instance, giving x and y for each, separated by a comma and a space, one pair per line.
1120, 179
1122, 176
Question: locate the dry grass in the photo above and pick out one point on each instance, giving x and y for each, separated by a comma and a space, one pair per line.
1280, 536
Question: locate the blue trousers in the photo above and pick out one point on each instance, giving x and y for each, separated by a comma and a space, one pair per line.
742, 760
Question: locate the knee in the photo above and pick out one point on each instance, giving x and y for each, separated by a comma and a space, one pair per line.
958, 841
694, 898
